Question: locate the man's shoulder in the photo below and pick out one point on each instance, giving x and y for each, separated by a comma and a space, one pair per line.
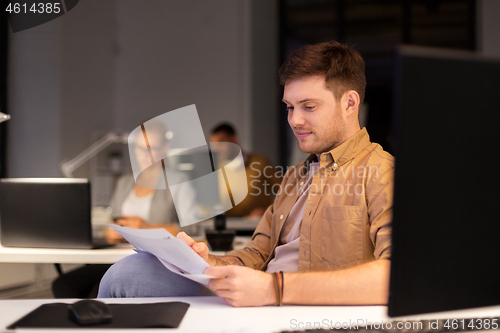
370, 152
378, 152
374, 156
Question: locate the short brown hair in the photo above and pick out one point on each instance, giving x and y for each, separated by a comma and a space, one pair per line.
343, 68
225, 128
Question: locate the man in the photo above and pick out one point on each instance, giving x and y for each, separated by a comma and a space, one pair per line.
262, 177
328, 229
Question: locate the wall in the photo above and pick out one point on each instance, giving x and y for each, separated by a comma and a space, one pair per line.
182, 53
87, 67
34, 102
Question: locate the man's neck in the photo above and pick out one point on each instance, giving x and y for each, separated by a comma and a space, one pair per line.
349, 134
351, 131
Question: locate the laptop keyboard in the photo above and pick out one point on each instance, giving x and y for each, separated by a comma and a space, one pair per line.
423, 326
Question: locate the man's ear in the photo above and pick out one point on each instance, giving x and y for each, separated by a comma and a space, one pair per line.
350, 102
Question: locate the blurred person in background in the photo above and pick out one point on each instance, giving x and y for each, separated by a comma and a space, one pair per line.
262, 177
136, 204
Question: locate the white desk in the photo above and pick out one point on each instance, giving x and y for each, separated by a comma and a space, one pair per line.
211, 314
106, 255
65, 256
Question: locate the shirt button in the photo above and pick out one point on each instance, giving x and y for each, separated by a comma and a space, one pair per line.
301, 183
334, 165
281, 217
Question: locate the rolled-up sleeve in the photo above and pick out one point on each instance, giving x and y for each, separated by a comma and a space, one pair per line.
380, 197
256, 252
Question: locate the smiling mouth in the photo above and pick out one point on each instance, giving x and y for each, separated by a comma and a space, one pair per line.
301, 135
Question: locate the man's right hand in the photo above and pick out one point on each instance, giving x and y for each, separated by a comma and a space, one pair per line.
200, 247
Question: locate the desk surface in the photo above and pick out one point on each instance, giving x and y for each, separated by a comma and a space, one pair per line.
65, 256
103, 256
212, 314
108, 255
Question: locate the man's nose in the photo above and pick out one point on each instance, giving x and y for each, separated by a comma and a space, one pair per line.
295, 119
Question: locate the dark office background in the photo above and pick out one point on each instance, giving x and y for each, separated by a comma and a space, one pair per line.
374, 27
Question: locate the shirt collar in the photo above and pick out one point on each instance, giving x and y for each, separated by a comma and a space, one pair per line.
343, 153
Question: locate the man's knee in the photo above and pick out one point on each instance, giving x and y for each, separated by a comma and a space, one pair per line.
143, 275
124, 276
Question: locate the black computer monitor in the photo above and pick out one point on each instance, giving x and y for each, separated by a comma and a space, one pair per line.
446, 235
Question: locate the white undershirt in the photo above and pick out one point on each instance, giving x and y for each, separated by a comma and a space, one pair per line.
286, 256
137, 206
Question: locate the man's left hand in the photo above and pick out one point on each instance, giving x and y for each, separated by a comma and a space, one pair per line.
242, 286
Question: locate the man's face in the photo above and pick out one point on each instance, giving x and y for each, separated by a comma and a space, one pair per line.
314, 115
222, 149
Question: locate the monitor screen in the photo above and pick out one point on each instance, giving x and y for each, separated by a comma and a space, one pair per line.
446, 230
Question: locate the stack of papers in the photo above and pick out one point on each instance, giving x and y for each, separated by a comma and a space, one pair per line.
173, 253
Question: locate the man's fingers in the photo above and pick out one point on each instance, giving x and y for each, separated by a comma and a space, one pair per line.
185, 238
200, 248
219, 271
219, 284
230, 297
224, 293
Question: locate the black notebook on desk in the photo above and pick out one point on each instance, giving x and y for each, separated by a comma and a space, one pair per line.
149, 315
46, 213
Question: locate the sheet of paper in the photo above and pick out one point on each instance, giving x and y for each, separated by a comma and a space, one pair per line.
176, 255
200, 278
158, 233
138, 237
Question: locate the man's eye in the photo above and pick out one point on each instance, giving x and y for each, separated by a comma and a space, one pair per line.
309, 107
289, 108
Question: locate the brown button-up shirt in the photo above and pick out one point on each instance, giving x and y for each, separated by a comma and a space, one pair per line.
347, 218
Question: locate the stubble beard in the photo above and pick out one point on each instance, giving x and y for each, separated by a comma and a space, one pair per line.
336, 137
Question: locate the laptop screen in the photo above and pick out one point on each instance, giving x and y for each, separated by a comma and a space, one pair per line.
45, 213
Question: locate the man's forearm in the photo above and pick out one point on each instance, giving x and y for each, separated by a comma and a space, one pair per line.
360, 285
224, 260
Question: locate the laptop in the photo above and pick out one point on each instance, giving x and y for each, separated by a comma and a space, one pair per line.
46, 213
